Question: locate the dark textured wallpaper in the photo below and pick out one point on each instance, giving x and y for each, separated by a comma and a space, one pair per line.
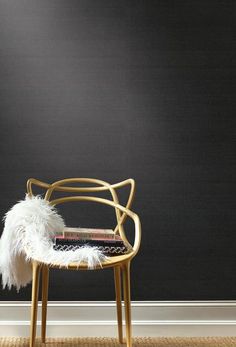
117, 89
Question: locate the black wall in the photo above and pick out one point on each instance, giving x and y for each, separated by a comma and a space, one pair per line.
118, 89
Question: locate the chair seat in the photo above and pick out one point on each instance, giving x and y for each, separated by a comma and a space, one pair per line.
110, 262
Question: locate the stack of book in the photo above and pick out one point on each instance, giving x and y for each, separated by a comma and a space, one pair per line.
104, 239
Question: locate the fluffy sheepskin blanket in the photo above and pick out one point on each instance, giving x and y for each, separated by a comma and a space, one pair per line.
29, 228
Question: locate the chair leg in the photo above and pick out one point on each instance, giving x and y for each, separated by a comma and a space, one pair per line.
34, 303
126, 288
118, 301
45, 278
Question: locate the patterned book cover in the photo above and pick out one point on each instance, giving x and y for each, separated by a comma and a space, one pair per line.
90, 242
106, 247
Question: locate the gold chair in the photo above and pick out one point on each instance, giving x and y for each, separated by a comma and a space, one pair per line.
120, 263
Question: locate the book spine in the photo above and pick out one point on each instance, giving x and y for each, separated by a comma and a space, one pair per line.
82, 235
115, 238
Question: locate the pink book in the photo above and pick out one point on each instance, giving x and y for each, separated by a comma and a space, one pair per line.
90, 237
89, 233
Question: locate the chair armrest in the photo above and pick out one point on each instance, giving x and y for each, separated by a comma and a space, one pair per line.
136, 220
137, 236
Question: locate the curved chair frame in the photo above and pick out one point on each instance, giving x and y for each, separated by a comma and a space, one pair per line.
121, 264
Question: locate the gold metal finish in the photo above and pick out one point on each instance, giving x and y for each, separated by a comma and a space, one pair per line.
126, 291
118, 302
103, 186
45, 278
120, 263
34, 305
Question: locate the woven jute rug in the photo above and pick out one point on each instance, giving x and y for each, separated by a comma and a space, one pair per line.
137, 342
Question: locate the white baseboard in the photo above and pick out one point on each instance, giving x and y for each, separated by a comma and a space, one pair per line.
149, 318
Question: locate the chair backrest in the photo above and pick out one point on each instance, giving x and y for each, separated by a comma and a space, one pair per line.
98, 186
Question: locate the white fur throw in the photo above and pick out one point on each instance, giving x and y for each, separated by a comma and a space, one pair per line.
29, 227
